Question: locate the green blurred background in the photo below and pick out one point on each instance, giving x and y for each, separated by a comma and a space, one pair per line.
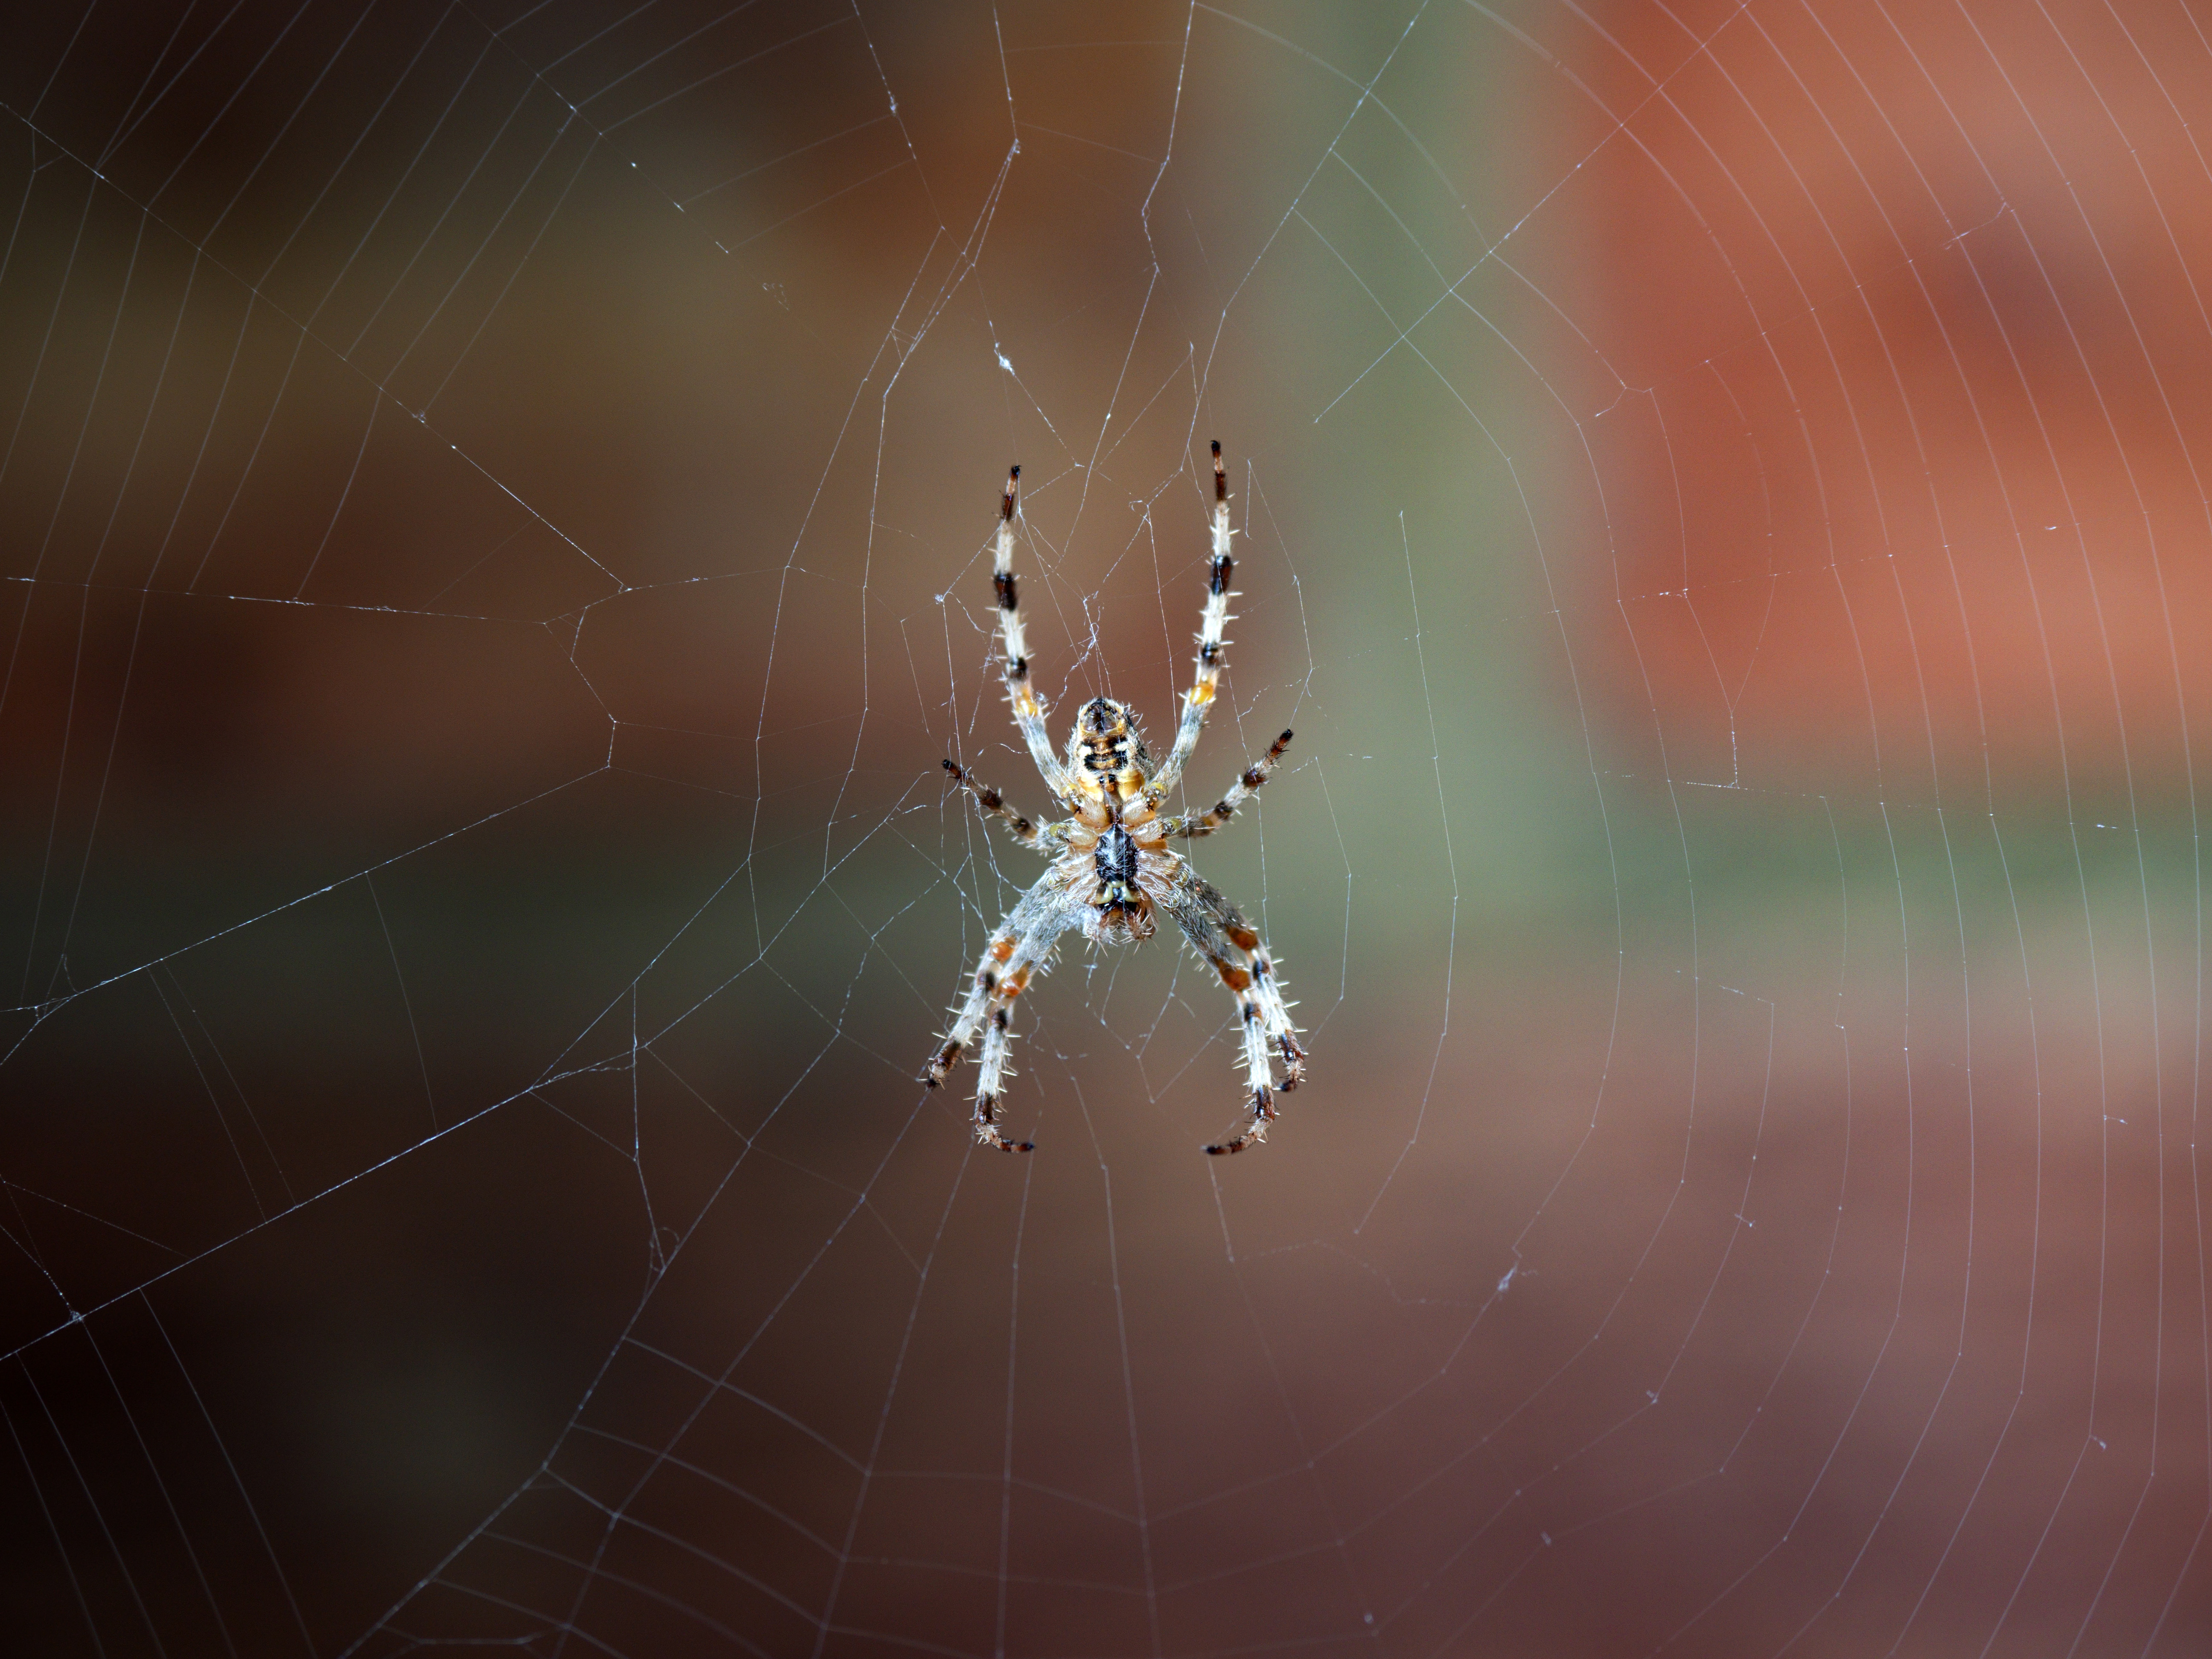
496, 515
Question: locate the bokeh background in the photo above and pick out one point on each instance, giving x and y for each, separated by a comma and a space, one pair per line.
495, 514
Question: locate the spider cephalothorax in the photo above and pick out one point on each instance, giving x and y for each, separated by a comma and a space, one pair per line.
1112, 868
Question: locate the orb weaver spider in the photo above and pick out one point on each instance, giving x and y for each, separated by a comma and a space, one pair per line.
1112, 868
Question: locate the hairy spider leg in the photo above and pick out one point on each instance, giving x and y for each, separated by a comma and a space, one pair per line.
1047, 895
1210, 644
1017, 950
1031, 958
1218, 931
1029, 707
1217, 816
995, 804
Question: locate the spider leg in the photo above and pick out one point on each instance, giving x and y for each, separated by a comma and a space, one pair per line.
1029, 707
1217, 816
1032, 958
1019, 947
1200, 698
995, 804
1218, 931
989, 1090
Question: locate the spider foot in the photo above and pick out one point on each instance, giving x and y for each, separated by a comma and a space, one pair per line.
942, 1064
1294, 1062
1263, 1114
987, 1128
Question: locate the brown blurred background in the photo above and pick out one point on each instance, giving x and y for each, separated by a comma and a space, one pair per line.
496, 518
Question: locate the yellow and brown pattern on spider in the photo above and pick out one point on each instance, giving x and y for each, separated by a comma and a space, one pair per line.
1112, 869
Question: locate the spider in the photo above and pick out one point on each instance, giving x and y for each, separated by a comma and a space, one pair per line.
1111, 866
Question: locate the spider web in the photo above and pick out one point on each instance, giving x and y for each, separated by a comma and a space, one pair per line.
497, 503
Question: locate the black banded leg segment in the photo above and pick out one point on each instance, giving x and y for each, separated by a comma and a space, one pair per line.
1212, 646
995, 804
1017, 948
1218, 930
990, 1089
974, 1008
1029, 708
1194, 824
1008, 963
1031, 956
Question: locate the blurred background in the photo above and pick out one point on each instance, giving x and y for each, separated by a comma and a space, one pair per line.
495, 511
